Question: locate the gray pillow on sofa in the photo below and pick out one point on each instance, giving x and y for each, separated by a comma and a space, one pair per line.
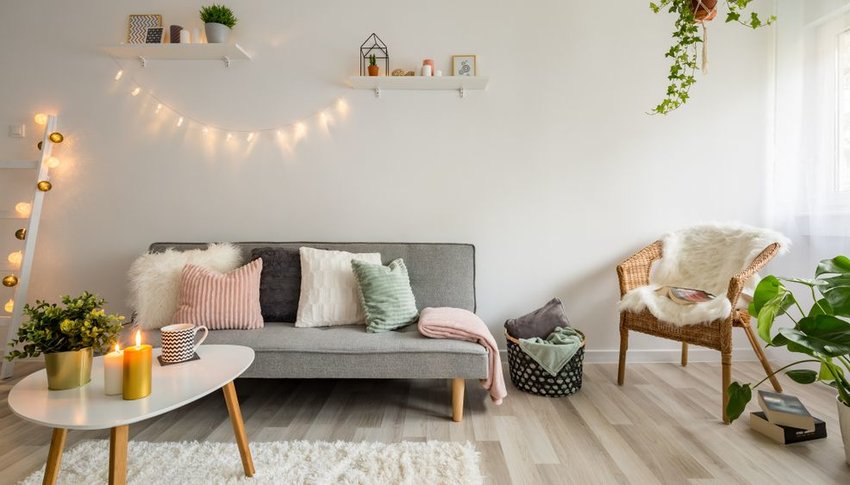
280, 283
540, 322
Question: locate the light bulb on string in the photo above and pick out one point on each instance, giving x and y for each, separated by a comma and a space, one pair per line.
136, 91
158, 108
300, 129
205, 130
23, 208
180, 122
250, 136
40, 119
15, 258
342, 106
119, 74
52, 162
9, 306
229, 136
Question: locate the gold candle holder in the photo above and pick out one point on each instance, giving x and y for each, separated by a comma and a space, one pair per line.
138, 361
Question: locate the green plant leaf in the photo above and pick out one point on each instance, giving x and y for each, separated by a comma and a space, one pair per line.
767, 289
820, 345
774, 307
739, 396
826, 375
802, 376
821, 307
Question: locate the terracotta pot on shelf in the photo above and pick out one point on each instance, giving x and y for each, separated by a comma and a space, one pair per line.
374, 70
704, 10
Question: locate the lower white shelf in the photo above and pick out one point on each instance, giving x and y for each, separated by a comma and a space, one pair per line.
420, 83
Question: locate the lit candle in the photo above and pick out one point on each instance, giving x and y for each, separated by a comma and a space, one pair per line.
113, 370
137, 369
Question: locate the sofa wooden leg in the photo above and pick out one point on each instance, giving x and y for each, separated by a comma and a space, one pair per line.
457, 399
684, 354
624, 347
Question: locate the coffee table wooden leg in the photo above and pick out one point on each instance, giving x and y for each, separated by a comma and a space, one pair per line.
54, 457
118, 437
238, 428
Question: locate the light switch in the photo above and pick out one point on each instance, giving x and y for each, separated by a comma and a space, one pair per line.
17, 131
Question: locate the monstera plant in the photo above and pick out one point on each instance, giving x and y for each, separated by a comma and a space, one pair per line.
821, 335
690, 14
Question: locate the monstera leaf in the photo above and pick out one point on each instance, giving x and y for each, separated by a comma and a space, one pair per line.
835, 277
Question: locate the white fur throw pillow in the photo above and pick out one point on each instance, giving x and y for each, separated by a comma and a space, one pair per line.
155, 279
329, 292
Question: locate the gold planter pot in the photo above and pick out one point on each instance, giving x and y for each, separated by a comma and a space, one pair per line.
67, 370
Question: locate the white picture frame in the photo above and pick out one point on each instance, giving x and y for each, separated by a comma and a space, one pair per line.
465, 65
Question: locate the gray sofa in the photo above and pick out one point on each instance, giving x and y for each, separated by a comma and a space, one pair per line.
440, 275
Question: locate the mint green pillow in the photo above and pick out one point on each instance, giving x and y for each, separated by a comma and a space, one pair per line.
385, 294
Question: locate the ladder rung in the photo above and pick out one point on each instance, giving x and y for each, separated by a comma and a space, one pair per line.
30, 164
11, 215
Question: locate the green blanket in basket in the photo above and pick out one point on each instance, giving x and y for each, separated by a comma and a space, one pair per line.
555, 351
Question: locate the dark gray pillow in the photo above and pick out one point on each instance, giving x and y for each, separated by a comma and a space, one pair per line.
540, 322
280, 283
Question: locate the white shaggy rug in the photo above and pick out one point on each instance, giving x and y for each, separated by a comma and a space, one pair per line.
277, 462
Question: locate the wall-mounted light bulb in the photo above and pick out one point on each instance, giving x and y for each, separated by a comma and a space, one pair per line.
158, 108
119, 74
250, 136
15, 258
52, 162
180, 122
9, 306
136, 91
23, 208
40, 119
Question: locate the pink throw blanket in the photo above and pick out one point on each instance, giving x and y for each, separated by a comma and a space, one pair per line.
459, 324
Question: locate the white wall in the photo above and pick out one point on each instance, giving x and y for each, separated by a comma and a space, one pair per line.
555, 173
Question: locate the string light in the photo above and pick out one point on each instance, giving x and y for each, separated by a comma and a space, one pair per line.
23, 208
158, 108
56, 137
180, 122
206, 130
9, 306
52, 162
15, 258
250, 136
136, 91
119, 74
229, 136
40, 119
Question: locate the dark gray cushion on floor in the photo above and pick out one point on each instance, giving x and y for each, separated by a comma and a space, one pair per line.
280, 283
540, 322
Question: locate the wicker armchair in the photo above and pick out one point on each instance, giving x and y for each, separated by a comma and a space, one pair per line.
634, 272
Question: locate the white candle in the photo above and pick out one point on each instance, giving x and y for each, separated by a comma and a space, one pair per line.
113, 372
185, 37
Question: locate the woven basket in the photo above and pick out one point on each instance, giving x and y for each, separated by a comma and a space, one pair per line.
528, 376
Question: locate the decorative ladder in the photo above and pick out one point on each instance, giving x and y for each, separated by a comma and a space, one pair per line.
22, 265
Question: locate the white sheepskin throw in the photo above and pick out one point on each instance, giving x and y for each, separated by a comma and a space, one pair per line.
703, 257
155, 279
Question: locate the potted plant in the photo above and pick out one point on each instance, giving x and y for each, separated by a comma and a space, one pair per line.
822, 334
68, 336
374, 70
218, 21
690, 14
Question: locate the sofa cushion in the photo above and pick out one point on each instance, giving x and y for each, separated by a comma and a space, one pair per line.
280, 283
385, 294
540, 322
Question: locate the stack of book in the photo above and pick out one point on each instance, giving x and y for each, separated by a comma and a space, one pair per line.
784, 419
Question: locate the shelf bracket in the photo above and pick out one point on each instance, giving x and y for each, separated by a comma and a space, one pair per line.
143, 61
377, 92
226, 60
462, 92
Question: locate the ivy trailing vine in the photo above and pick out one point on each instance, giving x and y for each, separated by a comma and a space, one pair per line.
683, 52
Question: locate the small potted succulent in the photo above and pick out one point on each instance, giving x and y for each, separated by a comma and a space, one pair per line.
374, 70
67, 335
218, 21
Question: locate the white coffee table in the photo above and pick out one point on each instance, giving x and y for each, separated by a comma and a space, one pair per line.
172, 386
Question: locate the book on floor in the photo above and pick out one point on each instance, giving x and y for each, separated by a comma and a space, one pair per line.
785, 435
785, 410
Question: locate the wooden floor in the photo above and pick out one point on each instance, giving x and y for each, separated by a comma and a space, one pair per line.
662, 427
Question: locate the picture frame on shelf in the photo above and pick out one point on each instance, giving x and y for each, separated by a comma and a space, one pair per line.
155, 35
465, 65
138, 24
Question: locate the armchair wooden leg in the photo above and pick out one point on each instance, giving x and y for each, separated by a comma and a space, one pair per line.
726, 364
684, 354
457, 399
624, 347
751, 336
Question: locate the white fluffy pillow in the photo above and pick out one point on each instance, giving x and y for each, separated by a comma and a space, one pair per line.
155, 279
329, 292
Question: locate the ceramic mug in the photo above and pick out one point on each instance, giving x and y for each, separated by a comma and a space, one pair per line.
178, 341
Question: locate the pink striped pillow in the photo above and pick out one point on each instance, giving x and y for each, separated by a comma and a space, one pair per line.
221, 301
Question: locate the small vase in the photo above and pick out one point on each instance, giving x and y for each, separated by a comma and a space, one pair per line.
67, 370
844, 424
216, 33
374, 70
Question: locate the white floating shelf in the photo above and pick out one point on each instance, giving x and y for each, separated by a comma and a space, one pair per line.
179, 52
420, 83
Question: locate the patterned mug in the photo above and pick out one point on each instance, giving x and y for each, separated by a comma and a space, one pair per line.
178, 341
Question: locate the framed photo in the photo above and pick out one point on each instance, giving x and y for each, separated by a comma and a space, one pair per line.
466, 65
154, 35
137, 29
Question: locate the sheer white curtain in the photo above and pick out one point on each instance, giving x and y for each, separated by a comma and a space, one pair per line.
809, 197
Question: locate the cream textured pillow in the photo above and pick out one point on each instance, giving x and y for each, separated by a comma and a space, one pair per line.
155, 279
329, 294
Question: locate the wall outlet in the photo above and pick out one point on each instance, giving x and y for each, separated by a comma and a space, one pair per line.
17, 131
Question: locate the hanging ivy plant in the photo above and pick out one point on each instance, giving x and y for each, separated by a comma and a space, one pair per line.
686, 33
